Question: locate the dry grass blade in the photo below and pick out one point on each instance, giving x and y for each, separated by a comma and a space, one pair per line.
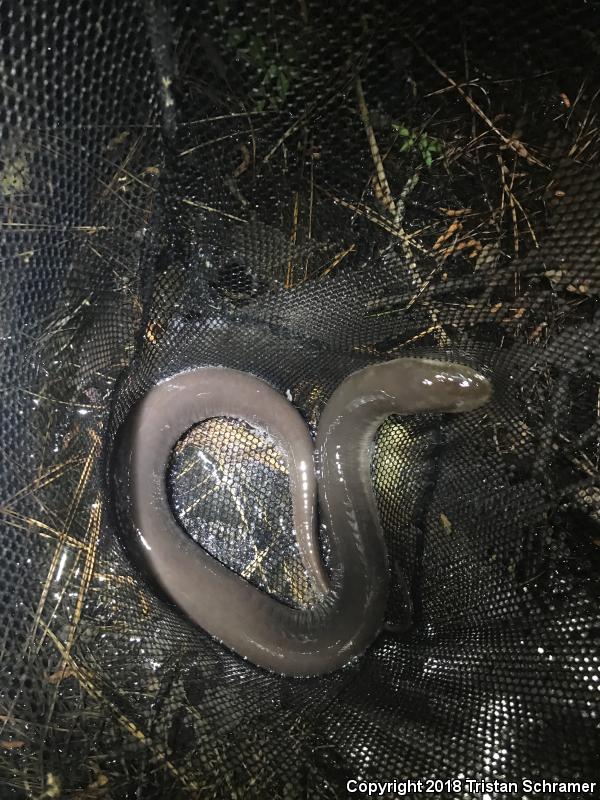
514, 144
75, 502
382, 183
86, 681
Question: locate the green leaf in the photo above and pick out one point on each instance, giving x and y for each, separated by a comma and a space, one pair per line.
256, 51
283, 84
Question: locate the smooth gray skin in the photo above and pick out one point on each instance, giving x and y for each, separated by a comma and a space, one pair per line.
351, 608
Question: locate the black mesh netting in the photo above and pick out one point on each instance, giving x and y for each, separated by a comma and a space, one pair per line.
297, 190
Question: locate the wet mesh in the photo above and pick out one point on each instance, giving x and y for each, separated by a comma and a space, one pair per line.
298, 190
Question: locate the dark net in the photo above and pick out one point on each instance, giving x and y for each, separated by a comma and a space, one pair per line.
298, 190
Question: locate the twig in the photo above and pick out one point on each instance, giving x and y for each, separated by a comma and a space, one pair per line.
339, 257
514, 144
131, 727
289, 278
213, 210
373, 216
386, 195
